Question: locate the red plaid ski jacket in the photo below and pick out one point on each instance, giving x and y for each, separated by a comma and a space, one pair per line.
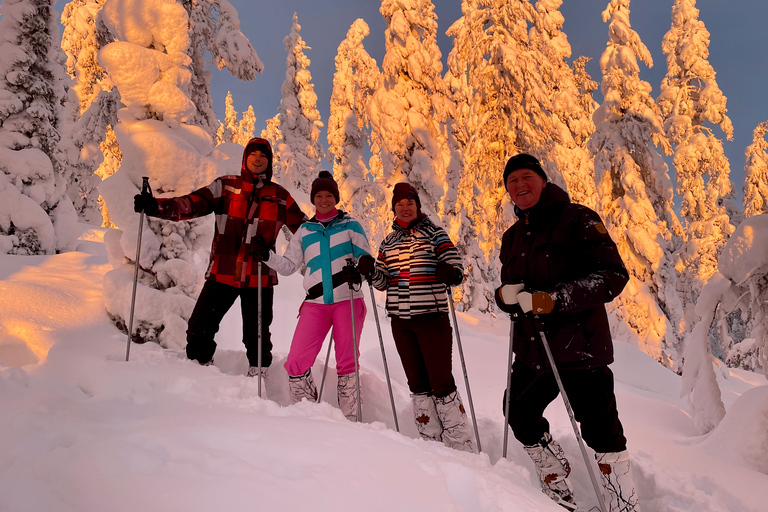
244, 207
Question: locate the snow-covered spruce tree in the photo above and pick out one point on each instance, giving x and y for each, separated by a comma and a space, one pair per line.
215, 30
298, 152
234, 130
636, 194
149, 65
690, 100
36, 216
362, 193
741, 284
91, 112
411, 104
756, 173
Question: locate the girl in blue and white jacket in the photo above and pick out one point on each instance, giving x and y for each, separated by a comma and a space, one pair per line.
323, 244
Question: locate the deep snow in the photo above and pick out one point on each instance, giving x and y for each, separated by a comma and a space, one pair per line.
83, 430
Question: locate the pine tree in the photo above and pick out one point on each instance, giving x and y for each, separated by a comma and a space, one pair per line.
36, 216
411, 105
756, 173
297, 153
363, 194
215, 30
636, 192
246, 127
234, 130
690, 99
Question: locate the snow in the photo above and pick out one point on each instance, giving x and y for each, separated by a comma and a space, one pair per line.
84, 430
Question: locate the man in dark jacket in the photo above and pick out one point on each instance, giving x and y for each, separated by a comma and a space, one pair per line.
560, 264
250, 210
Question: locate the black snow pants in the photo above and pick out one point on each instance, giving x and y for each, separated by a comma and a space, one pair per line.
213, 303
590, 392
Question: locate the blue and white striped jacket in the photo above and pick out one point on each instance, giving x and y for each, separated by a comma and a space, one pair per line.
324, 249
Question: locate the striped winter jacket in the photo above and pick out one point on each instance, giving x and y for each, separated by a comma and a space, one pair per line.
324, 249
406, 264
244, 207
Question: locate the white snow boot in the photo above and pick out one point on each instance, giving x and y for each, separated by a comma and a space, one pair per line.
456, 431
253, 371
346, 389
553, 470
619, 491
302, 386
426, 418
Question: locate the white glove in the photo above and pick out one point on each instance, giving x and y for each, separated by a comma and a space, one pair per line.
526, 301
510, 293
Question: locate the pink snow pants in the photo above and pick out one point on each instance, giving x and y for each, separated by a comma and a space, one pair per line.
314, 322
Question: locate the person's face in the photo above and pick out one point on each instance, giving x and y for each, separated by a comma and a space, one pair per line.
406, 210
256, 161
324, 202
525, 187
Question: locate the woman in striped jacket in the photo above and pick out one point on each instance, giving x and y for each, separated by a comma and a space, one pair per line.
415, 263
324, 244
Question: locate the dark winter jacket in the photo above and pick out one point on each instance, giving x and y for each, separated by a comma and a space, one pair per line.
406, 265
244, 207
560, 246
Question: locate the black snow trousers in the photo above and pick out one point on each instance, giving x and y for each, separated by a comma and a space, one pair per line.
424, 343
590, 392
213, 303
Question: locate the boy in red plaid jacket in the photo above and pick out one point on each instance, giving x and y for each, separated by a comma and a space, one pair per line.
250, 211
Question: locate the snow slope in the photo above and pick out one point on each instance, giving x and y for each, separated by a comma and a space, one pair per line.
81, 429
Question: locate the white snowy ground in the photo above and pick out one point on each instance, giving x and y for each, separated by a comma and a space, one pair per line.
83, 430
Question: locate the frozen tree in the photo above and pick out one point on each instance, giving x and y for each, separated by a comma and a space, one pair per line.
756, 173
741, 284
690, 102
363, 194
36, 216
149, 65
411, 105
298, 152
636, 193
215, 30
234, 130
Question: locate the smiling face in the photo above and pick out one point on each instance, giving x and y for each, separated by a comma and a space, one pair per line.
525, 187
406, 210
324, 202
256, 161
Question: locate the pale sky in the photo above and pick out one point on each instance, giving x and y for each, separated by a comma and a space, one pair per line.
738, 51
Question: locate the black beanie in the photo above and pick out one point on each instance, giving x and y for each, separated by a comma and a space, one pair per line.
404, 191
324, 181
523, 161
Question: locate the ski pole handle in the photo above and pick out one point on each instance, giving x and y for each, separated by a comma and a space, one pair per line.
145, 188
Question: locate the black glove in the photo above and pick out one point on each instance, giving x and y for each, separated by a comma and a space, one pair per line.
260, 248
365, 265
447, 274
350, 275
145, 203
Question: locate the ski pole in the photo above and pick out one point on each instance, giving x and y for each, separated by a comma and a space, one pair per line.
383, 355
258, 321
350, 261
145, 189
568, 408
463, 367
507, 396
325, 367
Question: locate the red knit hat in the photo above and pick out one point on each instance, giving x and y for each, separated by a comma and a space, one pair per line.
324, 181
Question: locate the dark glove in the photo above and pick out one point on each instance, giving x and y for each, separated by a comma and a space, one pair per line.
447, 274
365, 265
538, 303
144, 202
506, 297
260, 248
350, 275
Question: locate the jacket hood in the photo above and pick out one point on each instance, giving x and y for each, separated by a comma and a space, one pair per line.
551, 194
250, 146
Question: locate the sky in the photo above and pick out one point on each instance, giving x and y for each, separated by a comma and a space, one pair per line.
83, 430
738, 44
